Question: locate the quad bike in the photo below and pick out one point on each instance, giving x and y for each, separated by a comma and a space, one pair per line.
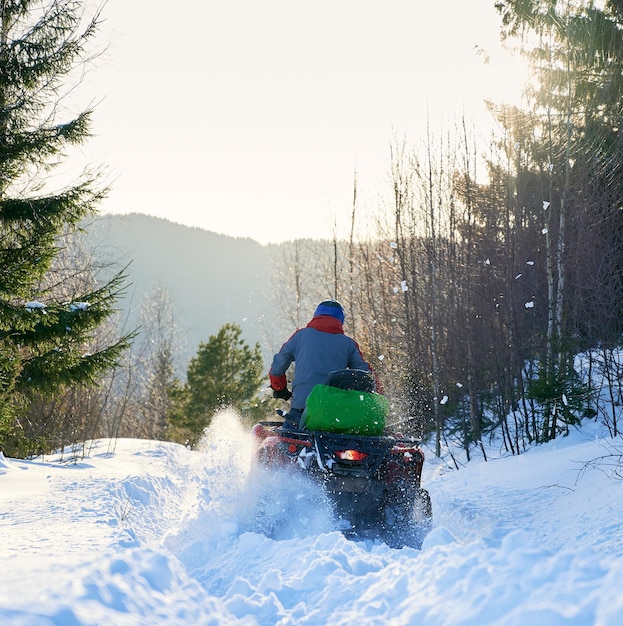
372, 482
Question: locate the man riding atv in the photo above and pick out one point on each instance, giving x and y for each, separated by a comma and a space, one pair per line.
335, 434
318, 349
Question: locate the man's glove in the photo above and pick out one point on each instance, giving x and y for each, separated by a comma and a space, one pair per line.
282, 394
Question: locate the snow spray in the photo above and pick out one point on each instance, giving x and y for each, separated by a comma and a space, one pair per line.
278, 503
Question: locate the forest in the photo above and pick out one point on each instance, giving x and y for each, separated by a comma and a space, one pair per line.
490, 268
473, 286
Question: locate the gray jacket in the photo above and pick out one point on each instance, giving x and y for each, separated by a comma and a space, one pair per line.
317, 350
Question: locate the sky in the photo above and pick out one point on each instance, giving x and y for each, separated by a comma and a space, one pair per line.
250, 118
145, 532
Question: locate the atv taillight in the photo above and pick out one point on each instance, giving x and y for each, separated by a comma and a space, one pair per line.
350, 455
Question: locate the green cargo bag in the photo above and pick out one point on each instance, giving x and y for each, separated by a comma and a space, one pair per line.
346, 411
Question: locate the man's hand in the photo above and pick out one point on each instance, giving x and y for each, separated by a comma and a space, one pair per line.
282, 394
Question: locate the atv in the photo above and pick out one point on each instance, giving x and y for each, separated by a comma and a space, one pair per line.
372, 481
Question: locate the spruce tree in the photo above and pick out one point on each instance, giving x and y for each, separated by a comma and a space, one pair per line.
45, 342
226, 372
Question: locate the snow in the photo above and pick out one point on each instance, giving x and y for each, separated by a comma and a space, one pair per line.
145, 532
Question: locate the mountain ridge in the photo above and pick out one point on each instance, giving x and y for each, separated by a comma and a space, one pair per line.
212, 279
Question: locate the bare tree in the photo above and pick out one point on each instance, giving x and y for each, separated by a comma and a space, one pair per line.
161, 343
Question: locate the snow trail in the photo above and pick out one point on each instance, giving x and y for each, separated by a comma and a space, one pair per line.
145, 532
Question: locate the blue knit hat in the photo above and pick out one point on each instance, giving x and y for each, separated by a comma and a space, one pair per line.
332, 308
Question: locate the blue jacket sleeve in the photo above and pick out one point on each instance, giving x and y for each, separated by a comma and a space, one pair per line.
281, 362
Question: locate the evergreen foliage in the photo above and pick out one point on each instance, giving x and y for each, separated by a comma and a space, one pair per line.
226, 372
46, 341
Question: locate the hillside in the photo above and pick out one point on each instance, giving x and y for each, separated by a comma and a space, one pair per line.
212, 279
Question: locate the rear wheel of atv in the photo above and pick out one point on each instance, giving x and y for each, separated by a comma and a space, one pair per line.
408, 524
423, 509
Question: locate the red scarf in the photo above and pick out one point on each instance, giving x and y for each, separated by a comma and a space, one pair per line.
326, 324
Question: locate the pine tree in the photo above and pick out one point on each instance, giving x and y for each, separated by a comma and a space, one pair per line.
225, 372
44, 339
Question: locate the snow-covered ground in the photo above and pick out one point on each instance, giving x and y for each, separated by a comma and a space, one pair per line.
146, 533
